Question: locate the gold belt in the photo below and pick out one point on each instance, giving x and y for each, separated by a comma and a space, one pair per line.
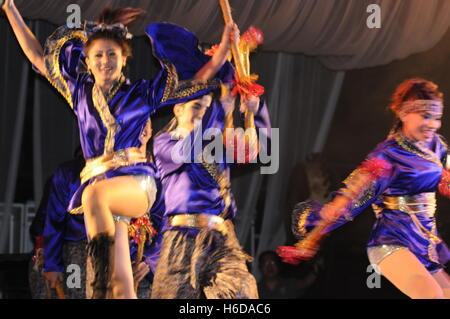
414, 204
199, 221
104, 163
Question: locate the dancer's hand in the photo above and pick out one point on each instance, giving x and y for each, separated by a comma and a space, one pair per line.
228, 102
230, 34
140, 271
6, 4
250, 103
53, 277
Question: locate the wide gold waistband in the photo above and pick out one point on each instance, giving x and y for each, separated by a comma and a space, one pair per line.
104, 163
412, 204
199, 221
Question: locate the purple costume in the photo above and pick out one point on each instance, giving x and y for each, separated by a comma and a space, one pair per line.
404, 203
200, 256
111, 127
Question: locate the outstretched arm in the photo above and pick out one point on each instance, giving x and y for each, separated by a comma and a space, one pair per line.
209, 70
27, 40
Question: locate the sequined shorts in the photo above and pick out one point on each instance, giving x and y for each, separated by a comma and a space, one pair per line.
148, 185
378, 253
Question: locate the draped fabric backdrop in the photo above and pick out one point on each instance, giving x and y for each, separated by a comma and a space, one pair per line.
334, 30
301, 91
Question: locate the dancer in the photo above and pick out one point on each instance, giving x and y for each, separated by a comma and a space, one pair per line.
201, 256
400, 179
117, 183
64, 234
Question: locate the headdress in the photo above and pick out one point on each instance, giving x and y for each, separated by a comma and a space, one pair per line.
433, 106
117, 28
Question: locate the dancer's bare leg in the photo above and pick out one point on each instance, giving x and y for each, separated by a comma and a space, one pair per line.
121, 196
122, 277
409, 275
443, 280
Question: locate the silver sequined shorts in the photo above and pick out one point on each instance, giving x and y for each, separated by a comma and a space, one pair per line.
148, 185
378, 253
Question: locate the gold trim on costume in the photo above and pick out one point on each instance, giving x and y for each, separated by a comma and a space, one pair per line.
171, 81
52, 65
303, 219
199, 221
415, 204
358, 196
421, 152
76, 211
221, 178
101, 105
104, 163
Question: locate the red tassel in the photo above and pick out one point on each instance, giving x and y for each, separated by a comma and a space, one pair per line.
246, 87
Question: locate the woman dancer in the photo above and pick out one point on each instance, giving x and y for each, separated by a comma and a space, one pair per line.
201, 256
117, 183
400, 179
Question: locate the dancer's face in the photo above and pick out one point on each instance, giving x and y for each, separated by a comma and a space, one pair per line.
421, 126
189, 113
105, 60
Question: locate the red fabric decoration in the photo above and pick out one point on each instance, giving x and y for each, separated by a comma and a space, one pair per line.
444, 184
248, 86
140, 224
376, 167
212, 50
253, 37
290, 255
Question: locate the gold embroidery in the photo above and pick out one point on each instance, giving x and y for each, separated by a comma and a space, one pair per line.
99, 165
190, 90
301, 225
222, 180
412, 205
171, 81
358, 196
424, 153
76, 211
52, 64
101, 105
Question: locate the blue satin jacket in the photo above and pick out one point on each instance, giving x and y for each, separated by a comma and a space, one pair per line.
413, 172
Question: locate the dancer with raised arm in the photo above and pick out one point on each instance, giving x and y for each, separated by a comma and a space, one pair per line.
117, 183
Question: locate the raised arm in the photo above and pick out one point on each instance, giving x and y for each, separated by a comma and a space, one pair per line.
209, 70
27, 40
241, 145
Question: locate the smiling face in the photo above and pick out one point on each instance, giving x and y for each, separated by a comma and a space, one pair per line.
189, 113
421, 126
105, 60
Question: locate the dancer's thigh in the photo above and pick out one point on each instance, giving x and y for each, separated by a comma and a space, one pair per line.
409, 275
443, 280
123, 196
